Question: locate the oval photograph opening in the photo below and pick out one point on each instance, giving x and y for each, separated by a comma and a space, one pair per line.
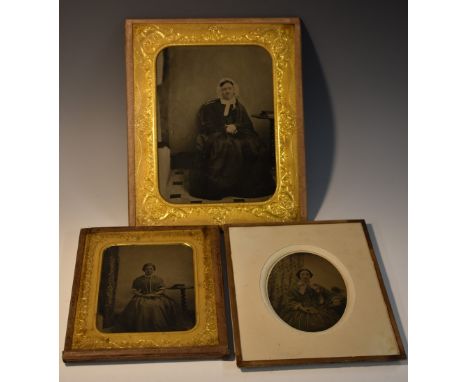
307, 292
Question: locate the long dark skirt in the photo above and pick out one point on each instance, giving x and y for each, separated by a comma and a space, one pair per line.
319, 318
231, 165
150, 314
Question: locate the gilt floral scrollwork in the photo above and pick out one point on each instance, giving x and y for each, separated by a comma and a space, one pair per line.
87, 336
278, 39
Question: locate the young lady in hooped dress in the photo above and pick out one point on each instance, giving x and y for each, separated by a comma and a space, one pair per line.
311, 307
149, 310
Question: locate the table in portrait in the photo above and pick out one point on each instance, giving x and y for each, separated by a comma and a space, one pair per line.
147, 293
308, 293
215, 124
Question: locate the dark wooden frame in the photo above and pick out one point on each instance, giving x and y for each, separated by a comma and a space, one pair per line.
220, 350
300, 361
300, 155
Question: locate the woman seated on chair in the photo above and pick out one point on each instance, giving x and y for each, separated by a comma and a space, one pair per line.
232, 160
150, 309
311, 307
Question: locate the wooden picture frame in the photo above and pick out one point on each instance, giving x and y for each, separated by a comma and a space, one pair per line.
181, 166
185, 319
266, 334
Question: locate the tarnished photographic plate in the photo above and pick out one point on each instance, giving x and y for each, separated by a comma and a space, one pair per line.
146, 293
308, 293
215, 126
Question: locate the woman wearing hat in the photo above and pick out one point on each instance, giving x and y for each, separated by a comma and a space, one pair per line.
232, 160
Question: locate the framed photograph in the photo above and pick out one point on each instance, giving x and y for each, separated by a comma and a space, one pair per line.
147, 293
215, 124
308, 293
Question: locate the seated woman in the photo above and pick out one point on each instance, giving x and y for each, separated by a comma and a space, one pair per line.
311, 307
231, 158
149, 310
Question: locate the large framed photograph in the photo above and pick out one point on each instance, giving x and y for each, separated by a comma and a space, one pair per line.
215, 125
147, 293
308, 293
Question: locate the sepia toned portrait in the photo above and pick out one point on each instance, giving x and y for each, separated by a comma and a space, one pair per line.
215, 124
146, 288
307, 292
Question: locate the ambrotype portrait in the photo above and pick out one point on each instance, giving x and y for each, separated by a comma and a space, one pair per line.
146, 288
307, 292
215, 124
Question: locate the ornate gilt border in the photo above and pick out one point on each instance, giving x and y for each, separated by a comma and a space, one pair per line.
145, 39
87, 337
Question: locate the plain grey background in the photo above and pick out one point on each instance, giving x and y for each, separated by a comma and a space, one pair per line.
191, 78
355, 108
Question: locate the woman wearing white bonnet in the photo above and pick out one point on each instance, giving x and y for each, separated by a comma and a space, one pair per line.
232, 160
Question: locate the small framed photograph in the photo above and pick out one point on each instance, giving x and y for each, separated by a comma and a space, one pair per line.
146, 293
215, 125
308, 293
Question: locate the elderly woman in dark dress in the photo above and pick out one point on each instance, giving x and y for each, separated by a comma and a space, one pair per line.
232, 160
311, 307
149, 310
